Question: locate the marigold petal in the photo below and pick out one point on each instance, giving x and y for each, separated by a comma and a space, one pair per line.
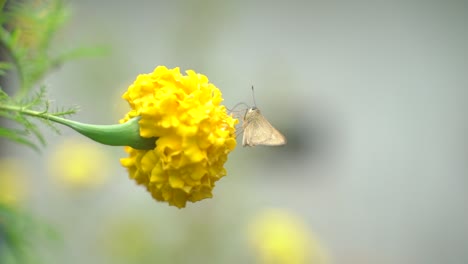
176, 182
147, 161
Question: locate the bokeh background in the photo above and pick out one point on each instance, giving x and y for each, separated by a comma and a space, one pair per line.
370, 94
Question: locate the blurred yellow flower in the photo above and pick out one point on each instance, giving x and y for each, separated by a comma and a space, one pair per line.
279, 237
193, 130
13, 185
79, 163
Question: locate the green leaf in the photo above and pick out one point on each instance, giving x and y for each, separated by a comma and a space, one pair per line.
17, 136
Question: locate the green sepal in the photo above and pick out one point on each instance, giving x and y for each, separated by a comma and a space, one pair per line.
126, 134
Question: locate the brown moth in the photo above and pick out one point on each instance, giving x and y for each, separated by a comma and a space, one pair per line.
258, 131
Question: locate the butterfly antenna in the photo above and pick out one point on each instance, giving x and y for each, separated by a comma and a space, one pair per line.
253, 96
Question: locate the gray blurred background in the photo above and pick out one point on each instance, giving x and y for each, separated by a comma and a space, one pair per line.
370, 94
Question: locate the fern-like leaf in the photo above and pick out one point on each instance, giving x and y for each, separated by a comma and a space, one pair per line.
18, 136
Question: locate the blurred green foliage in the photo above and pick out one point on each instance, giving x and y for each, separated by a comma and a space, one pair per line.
27, 30
26, 57
17, 231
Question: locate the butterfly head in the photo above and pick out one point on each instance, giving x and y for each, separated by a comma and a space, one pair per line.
251, 113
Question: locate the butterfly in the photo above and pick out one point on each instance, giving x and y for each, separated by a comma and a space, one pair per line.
258, 131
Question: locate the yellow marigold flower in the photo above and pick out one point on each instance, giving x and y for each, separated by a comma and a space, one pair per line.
279, 237
193, 130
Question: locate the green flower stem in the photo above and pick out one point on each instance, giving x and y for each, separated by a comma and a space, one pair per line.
126, 134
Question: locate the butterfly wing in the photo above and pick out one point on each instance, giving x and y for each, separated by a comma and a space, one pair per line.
258, 131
